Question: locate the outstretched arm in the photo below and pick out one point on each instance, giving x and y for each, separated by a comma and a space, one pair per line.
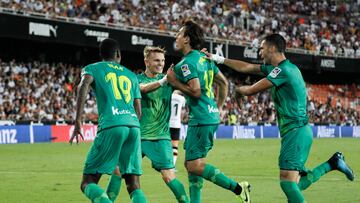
260, 86
149, 87
237, 65
82, 92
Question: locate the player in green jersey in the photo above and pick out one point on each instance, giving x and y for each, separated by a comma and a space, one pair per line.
194, 76
118, 137
289, 94
155, 131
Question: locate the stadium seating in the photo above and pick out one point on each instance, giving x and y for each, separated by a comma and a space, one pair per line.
27, 94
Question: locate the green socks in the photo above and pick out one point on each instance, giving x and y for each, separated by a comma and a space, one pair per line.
195, 186
96, 194
113, 187
137, 196
179, 191
214, 175
292, 191
314, 175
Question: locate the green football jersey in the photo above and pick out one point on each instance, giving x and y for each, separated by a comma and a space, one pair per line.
289, 95
203, 111
115, 89
155, 107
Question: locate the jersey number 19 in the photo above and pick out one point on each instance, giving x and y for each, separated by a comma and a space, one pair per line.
121, 86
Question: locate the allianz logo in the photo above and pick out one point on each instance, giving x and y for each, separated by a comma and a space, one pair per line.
324, 131
116, 111
250, 52
327, 63
212, 109
138, 40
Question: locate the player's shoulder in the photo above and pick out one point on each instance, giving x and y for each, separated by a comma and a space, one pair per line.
141, 75
92, 65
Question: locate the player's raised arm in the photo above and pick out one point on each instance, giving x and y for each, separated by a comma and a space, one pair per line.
237, 65
222, 83
82, 92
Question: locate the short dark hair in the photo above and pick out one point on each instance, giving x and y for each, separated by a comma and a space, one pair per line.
276, 40
108, 48
195, 33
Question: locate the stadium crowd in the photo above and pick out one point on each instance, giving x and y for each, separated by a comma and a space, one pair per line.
42, 92
322, 27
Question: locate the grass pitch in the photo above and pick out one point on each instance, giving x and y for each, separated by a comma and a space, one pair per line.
52, 172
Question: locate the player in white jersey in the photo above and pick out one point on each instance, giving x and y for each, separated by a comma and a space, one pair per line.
177, 103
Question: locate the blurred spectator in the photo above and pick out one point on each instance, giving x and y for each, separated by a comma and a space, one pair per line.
43, 92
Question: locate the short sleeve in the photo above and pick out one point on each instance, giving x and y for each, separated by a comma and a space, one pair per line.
266, 68
186, 72
136, 88
87, 70
277, 76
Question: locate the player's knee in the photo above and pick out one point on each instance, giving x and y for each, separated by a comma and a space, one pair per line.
289, 175
194, 167
117, 171
83, 186
168, 175
132, 187
132, 182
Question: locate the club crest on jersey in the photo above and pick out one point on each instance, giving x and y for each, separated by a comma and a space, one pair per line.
275, 72
185, 70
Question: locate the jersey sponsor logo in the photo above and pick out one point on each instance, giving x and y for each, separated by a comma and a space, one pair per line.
41, 29
327, 63
8, 136
116, 111
100, 36
213, 109
185, 70
275, 72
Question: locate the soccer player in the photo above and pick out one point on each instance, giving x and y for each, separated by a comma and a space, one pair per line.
194, 76
118, 137
177, 103
155, 131
289, 95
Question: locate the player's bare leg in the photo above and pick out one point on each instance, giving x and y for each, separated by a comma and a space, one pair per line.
89, 186
175, 185
133, 188
175, 147
199, 168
